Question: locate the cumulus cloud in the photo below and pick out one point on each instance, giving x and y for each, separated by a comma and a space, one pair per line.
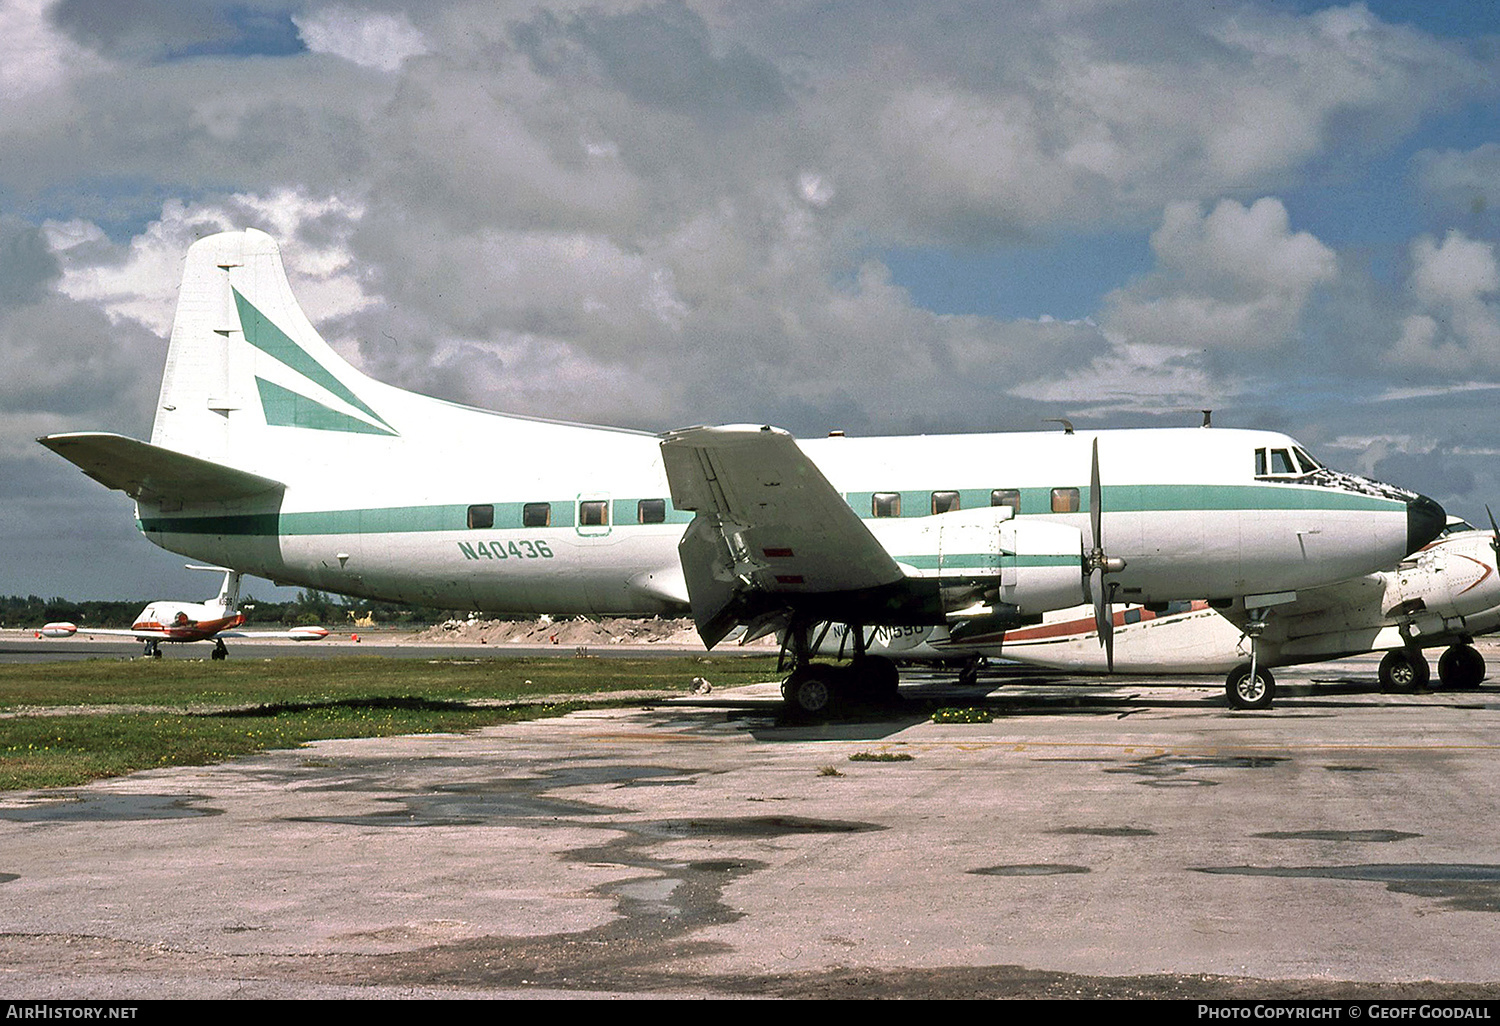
1455, 326
1237, 277
371, 39
1466, 181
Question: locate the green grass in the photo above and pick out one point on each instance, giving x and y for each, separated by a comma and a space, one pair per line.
219, 710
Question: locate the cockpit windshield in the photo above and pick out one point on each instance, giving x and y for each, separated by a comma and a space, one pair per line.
1290, 462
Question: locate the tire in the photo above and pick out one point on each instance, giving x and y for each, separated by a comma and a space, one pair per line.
1404, 670
1245, 693
811, 693
878, 679
1461, 667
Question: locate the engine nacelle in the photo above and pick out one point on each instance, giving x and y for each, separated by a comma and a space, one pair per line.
985, 560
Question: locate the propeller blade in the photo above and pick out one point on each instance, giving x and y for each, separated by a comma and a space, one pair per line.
1104, 614
1495, 537
1096, 502
1104, 617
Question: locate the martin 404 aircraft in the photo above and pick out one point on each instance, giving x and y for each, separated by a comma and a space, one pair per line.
169, 620
271, 454
1441, 597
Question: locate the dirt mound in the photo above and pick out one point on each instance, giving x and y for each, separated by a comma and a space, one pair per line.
570, 632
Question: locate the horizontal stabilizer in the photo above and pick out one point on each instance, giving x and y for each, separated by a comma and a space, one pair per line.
148, 473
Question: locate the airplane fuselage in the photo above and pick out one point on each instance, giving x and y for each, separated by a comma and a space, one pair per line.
559, 529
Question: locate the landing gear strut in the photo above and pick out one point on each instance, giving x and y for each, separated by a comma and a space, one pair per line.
820, 690
1248, 685
220, 652
153, 649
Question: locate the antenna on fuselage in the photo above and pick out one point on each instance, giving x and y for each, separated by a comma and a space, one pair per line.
1067, 424
1208, 418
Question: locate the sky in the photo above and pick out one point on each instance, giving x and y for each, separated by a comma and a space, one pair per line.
874, 216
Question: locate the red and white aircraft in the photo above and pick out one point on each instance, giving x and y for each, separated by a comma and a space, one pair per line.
168, 620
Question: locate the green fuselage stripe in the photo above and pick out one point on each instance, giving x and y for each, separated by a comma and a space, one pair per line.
508, 515
1146, 498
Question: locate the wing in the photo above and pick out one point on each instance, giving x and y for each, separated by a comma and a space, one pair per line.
152, 474
770, 532
295, 634
67, 630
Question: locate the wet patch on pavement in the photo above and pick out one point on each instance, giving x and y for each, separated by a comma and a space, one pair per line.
1367, 836
507, 800
1122, 831
1030, 869
1460, 887
100, 808
1174, 770
751, 826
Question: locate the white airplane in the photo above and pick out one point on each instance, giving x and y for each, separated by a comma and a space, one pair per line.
1443, 596
167, 620
271, 454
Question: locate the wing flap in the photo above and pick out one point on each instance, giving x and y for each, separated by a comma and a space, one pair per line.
148, 473
770, 529
785, 525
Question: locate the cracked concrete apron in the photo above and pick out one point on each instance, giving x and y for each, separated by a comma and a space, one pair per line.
697, 851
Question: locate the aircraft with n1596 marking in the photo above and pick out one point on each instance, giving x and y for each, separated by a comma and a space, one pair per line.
169, 620
273, 455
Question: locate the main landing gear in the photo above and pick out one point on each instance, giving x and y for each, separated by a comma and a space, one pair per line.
220, 652
1460, 668
821, 690
153, 649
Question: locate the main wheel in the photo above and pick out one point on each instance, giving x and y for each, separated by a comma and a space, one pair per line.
1460, 666
1247, 692
878, 678
810, 693
1404, 670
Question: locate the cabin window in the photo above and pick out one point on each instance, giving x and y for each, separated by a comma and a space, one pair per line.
481, 517
651, 511
885, 504
944, 502
1065, 500
1006, 497
593, 513
536, 514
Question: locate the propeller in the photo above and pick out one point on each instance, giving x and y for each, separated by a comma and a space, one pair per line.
1495, 536
1097, 564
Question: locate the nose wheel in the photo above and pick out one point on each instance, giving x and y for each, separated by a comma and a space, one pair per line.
1250, 687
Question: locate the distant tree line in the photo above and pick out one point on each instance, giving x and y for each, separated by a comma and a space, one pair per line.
309, 607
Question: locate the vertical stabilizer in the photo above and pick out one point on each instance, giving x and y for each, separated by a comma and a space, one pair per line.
244, 358
228, 599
